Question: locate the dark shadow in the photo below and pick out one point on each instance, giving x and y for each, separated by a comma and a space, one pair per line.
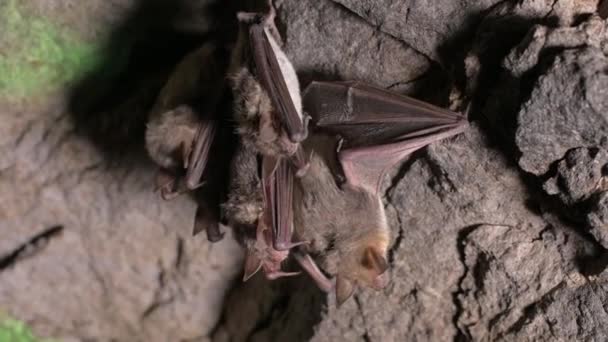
285, 309
111, 103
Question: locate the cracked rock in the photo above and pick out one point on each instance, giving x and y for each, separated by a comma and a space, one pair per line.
567, 109
598, 218
578, 175
568, 104
351, 48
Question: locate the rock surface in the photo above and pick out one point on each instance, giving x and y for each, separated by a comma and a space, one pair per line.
498, 234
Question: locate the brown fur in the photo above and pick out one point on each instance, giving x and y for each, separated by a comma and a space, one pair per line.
172, 121
245, 202
255, 117
167, 132
343, 225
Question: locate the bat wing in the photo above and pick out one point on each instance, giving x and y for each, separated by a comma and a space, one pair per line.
379, 127
277, 181
268, 72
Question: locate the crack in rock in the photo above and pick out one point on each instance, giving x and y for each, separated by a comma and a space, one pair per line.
33, 246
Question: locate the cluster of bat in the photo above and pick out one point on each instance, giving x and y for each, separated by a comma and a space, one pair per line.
287, 191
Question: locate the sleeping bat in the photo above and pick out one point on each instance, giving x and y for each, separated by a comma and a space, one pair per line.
182, 127
374, 129
270, 124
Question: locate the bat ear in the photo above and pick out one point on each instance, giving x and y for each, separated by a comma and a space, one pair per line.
374, 261
252, 265
344, 289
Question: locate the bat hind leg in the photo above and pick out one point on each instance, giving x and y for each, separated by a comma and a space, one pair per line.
313, 271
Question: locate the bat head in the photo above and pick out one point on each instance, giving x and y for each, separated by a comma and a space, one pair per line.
363, 259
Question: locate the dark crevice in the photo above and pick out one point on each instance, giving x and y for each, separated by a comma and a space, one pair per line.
403, 170
179, 253
365, 336
462, 334
28, 249
397, 244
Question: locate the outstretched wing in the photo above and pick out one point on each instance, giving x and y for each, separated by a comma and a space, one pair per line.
379, 127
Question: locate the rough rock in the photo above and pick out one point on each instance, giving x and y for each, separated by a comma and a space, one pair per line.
578, 176
566, 109
425, 26
123, 266
351, 47
480, 248
597, 218
87, 250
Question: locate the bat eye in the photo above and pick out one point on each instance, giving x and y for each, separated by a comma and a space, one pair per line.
373, 261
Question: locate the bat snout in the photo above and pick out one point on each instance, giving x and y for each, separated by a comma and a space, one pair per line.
381, 281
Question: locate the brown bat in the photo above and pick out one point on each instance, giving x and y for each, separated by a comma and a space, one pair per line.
345, 224
270, 123
182, 128
178, 135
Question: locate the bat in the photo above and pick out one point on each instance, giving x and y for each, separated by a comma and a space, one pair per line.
182, 127
271, 124
373, 129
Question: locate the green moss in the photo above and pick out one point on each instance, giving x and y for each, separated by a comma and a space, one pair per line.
12, 330
36, 55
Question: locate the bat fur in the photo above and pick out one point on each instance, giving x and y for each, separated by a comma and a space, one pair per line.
257, 120
345, 227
